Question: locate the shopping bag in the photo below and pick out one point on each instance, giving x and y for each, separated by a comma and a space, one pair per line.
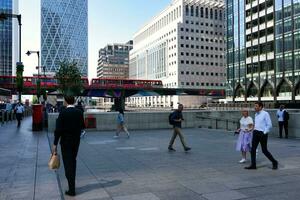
54, 161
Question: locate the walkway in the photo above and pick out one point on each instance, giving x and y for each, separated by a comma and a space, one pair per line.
141, 168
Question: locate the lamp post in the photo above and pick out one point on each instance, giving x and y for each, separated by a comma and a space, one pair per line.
38, 68
20, 67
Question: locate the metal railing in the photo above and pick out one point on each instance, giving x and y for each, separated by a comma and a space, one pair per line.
219, 123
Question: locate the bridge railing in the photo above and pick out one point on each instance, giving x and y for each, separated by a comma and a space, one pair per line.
218, 123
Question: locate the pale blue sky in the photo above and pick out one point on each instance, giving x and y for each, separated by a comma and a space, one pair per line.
110, 21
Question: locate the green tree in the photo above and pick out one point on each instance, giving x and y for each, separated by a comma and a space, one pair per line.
19, 79
69, 79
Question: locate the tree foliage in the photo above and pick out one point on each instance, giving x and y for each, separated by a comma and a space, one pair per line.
69, 79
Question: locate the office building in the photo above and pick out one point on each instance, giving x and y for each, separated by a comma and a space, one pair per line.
114, 61
184, 47
263, 50
64, 34
9, 40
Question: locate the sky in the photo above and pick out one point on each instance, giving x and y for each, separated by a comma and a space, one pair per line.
110, 21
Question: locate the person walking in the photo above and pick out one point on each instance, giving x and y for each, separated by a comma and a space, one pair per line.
262, 126
19, 109
69, 124
121, 124
176, 119
245, 135
283, 118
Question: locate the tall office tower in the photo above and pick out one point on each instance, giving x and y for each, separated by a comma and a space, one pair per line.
263, 50
114, 61
64, 34
9, 40
184, 47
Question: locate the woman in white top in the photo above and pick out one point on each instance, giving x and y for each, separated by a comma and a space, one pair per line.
245, 135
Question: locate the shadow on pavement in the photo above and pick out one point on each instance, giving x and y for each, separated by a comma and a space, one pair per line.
94, 186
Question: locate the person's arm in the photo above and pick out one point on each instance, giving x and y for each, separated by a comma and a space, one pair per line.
268, 123
58, 130
175, 117
82, 121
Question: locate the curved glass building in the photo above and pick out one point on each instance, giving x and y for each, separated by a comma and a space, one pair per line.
64, 34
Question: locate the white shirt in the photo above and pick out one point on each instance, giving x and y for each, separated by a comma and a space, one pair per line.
263, 122
245, 122
280, 115
19, 109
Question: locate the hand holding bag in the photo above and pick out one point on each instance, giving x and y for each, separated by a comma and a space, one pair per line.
54, 161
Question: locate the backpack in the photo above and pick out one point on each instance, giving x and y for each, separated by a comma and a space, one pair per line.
171, 121
286, 116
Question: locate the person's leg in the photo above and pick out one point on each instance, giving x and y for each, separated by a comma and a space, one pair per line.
181, 137
286, 129
119, 128
264, 148
69, 154
280, 124
255, 142
172, 139
125, 130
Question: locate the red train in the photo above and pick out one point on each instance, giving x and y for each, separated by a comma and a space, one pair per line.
124, 83
9, 82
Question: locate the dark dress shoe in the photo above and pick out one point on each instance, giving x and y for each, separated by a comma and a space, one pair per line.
70, 193
275, 165
171, 149
250, 167
187, 149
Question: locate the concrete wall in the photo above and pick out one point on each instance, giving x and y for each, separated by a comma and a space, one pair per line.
227, 120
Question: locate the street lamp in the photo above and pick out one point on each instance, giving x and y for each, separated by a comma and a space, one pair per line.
20, 67
38, 68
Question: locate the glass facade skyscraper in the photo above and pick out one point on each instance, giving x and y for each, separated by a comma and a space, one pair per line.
270, 67
64, 34
8, 39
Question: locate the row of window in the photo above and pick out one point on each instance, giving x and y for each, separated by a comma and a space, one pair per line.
202, 84
202, 73
201, 31
202, 55
260, 49
202, 63
260, 20
261, 33
259, 7
203, 12
202, 24
201, 47
162, 22
201, 39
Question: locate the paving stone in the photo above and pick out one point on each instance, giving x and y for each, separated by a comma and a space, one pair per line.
225, 195
143, 196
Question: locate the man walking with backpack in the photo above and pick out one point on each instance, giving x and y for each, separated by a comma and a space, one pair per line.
175, 119
283, 121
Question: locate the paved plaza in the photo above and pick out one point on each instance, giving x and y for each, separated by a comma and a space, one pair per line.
141, 168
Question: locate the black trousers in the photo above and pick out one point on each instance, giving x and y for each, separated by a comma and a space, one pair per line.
19, 118
260, 137
284, 125
69, 150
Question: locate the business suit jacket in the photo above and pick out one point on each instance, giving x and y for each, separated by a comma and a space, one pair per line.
69, 124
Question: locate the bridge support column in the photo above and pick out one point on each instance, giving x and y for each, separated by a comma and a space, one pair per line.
119, 103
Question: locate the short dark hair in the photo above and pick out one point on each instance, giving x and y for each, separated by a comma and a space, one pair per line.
260, 104
70, 99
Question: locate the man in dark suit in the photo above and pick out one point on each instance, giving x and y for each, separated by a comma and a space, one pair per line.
69, 124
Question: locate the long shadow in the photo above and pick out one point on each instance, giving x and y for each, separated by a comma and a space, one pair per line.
94, 186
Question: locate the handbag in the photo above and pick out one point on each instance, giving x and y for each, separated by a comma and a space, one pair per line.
54, 161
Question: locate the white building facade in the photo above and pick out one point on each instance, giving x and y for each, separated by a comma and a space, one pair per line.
184, 47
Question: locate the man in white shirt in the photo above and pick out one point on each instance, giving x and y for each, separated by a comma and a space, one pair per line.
262, 126
282, 121
19, 112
